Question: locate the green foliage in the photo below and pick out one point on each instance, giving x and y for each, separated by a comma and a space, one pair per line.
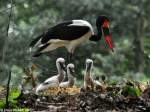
17, 73
147, 48
112, 82
132, 91
79, 83
2, 104
14, 93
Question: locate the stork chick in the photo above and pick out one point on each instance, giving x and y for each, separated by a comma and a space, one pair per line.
56, 79
88, 80
71, 77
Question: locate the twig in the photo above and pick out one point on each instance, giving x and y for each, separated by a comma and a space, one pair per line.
4, 53
7, 94
32, 79
58, 104
7, 35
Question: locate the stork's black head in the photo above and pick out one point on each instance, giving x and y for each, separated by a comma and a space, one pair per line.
100, 20
102, 24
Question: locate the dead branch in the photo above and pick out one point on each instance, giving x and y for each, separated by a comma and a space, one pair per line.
7, 94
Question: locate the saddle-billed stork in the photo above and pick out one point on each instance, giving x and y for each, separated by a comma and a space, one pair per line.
70, 34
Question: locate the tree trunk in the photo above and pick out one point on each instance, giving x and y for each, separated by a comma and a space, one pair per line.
138, 45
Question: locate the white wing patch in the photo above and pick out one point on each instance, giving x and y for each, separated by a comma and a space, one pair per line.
57, 41
82, 23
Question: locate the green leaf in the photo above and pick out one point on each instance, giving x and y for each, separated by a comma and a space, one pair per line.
2, 104
14, 93
133, 91
113, 82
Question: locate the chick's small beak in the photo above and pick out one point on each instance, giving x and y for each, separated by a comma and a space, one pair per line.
63, 66
73, 71
89, 66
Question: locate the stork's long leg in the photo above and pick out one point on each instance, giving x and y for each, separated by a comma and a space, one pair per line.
72, 54
69, 60
70, 57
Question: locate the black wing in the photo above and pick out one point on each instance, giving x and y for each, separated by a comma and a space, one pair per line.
35, 41
63, 31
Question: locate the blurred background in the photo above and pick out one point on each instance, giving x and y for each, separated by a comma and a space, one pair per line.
129, 25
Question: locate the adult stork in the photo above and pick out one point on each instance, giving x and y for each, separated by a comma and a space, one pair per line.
71, 34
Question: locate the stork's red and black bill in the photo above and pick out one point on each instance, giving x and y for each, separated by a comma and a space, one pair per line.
107, 35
